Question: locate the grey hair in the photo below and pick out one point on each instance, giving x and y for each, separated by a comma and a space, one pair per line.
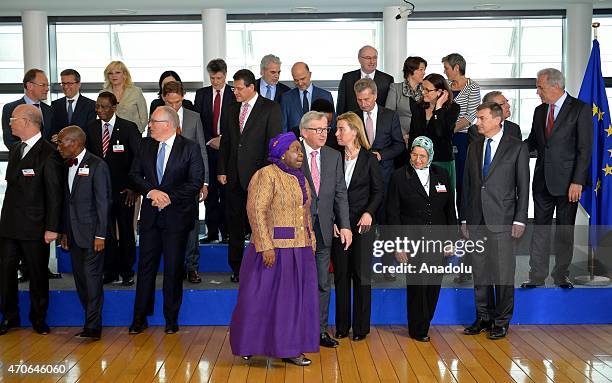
267, 60
365, 83
365, 47
489, 97
455, 59
553, 77
309, 117
171, 114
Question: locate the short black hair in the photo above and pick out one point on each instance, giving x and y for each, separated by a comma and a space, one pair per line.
245, 75
168, 73
71, 72
322, 105
110, 97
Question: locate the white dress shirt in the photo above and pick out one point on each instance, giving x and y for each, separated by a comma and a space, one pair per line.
251, 102
29, 143
169, 142
111, 125
75, 98
180, 116
349, 169
309, 157
370, 75
72, 171
558, 105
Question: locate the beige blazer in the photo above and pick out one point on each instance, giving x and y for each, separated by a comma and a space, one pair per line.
133, 106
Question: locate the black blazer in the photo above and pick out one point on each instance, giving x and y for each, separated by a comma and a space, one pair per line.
439, 129
87, 208
159, 102
280, 89
241, 155
565, 157
32, 204
182, 180
510, 128
83, 113
347, 101
7, 111
204, 106
366, 188
125, 133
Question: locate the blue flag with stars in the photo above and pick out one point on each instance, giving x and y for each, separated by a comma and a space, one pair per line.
597, 198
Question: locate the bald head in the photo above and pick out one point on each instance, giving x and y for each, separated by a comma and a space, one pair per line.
71, 141
301, 75
74, 133
26, 120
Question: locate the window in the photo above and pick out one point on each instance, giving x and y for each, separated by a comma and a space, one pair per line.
11, 54
605, 44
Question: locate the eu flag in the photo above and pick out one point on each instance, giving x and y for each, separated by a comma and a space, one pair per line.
597, 198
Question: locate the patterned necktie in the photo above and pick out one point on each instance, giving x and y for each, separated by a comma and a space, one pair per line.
550, 122
370, 128
314, 171
269, 92
305, 106
487, 159
70, 111
22, 146
161, 154
216, 114
243, 114
105, 139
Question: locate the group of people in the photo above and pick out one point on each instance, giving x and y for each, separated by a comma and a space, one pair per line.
311, 184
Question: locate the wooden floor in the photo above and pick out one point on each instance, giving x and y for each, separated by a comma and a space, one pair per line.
553, 354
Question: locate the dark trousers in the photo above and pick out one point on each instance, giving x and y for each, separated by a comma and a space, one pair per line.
237, 224
493, 272
35, 255
215, 201
88, 269
153, 243
544, 206
422, 300
353, 265
120, 252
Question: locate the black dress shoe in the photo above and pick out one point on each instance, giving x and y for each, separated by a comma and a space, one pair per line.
235, 278
89, 333
171, 328
137, 327
477, 327
341, 334
6, 325
327, 341
23, 279
128, 282
498, 332
357, 338
110, 279
421, 338
193, 277
531, 284
209, 240
41, 327
52, 275
299, 361
564, 283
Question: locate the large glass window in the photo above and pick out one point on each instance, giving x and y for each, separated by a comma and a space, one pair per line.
11, 53
605, 44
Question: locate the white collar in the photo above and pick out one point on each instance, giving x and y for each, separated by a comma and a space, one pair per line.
371, 75
33, 140
75, 98
111, 122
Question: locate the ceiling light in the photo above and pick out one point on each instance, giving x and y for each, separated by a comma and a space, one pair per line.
486, 7
304, 9
123, 11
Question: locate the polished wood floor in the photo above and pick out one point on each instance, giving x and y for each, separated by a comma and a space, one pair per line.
577, 353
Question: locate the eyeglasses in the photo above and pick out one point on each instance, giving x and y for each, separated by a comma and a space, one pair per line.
422, 157
369, 58
40, 85
152, 121
13, 119
425, 90
68, 83
319, 130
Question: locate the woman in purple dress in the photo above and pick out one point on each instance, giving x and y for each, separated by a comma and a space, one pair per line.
277, 314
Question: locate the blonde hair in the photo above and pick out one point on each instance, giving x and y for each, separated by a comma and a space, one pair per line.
355, 123
117, 65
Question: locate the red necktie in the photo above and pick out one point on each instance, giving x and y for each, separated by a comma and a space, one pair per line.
105, 139
550, 122
216, 113
243, 115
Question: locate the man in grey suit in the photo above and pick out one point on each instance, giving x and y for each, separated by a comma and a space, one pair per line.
496, 191
507, 126
191, 128
324, 171
87, 203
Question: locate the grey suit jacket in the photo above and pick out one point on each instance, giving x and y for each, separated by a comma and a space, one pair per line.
193, 130
503, 196
509, 127
397, 101
331, 204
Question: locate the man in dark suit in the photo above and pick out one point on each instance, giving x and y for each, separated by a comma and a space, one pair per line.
190, 128
87, 204
73, 108
168, 172
323, 168
368, 59
268, 84
252, 122
299, 100
562, 133
30, 218
213, 109
116, 141
36, 87
508, 126
496, 186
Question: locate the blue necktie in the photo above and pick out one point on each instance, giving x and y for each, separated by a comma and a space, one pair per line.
269, 92
487, 159
305, 107
70, 111
160, 162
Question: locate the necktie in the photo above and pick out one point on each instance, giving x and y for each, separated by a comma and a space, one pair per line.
243, 114
268, 92
370, 128
550, 122
72, 162
487, 159
305, 107
161, 154
216, 114
314, 171
70, 111
22, 146
105, 139
367, 76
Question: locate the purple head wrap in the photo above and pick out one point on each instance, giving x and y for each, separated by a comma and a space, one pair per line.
276, 149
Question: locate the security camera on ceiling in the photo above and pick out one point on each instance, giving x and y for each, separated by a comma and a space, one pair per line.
406, 11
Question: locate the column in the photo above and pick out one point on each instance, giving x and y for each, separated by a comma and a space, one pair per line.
394, 42
578, 44
213, 29
35, 40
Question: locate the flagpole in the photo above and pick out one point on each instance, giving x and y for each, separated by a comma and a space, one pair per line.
595, 25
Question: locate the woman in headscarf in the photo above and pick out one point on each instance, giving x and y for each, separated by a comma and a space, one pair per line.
277, 314
420, 199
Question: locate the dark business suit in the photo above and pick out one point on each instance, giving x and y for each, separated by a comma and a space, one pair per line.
347, 100
365, 194
280, 90
329, 206
120, 253
32, 205
490, 206
240, 156
563, 158
292, 107
165, 231
47, 123
83, 113
86, 216
215, 201
430, 216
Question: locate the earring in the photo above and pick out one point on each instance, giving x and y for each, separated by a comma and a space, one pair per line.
283, 158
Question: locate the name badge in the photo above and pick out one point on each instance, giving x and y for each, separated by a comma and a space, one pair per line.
118, 148
28, 172
440, 188
83, 171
